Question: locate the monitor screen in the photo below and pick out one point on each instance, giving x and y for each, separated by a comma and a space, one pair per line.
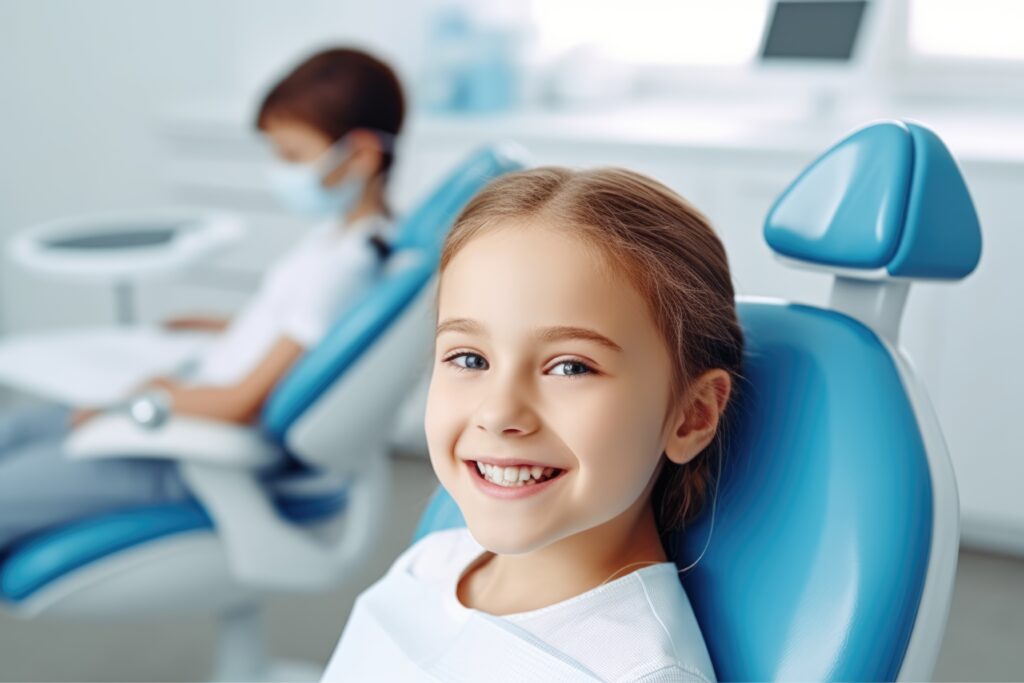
813, 30
107, 238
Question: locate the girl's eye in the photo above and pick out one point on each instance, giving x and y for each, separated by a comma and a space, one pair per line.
571, 368
468, 361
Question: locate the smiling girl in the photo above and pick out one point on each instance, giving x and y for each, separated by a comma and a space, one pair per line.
587, 347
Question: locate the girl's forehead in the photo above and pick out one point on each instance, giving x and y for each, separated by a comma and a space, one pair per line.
521, 275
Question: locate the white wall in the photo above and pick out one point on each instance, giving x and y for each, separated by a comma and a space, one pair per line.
85, 85
82, 85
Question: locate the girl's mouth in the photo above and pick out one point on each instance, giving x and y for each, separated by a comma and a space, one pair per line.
515, 476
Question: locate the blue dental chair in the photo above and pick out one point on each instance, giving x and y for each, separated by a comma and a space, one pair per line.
832, 549
245, 536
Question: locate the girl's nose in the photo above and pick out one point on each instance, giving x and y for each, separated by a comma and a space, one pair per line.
505, 412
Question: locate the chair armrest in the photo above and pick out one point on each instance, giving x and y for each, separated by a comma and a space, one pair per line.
183, 438
269, 552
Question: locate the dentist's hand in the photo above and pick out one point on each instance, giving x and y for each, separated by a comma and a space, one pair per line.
165, 383
196, 323
83, 415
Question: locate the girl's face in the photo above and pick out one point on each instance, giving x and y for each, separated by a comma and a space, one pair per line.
545, 358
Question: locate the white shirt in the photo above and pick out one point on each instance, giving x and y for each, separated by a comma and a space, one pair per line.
639, 627
300, 297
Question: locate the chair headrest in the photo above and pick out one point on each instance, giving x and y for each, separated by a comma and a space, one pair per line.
887, 201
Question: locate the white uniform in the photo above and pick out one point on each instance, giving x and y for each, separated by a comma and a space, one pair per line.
300, 296
410, 626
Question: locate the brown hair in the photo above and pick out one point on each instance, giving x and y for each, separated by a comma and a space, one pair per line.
336, 91
669, 253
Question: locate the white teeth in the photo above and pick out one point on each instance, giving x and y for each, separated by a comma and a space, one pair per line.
514, 476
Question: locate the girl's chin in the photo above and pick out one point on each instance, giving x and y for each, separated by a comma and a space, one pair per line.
504, 539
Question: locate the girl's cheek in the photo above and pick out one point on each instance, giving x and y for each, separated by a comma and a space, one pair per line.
443, 419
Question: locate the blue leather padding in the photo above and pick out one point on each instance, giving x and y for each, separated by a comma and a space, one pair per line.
823, 526
847, 208
427, 226
888, 196
942, 232
49, 555
421, 234
358, 329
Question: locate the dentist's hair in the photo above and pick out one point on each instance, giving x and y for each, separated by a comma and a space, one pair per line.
335, 91
669, 253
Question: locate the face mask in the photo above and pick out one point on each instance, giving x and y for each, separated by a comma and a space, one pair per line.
299, 187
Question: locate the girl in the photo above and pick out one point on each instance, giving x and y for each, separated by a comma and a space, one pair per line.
331, 122
587, 346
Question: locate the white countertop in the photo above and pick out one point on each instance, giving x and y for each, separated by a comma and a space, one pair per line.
974, 134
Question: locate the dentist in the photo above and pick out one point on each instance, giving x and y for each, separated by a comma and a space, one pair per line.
332, 124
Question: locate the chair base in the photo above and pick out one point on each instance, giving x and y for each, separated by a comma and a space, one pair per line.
242, 653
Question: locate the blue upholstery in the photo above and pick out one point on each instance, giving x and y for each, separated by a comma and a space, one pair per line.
50, 555
823, 531
33, 563
427, 226
888, 196
342, 346
823, 523
421, 234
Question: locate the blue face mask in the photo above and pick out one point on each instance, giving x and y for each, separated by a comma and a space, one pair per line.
300, 189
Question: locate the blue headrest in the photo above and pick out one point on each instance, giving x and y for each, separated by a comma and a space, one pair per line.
822, 528
426, 227
887, 198
417, 245
355, 332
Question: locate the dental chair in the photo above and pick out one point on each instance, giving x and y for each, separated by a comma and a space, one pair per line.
247, 535
831, 550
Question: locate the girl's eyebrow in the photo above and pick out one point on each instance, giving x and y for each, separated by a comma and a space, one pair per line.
549, 334
564, 332
464, 325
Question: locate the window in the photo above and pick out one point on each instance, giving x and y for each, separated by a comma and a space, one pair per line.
973, 29
682, 32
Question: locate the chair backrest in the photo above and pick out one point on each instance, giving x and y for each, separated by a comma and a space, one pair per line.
394, 309
830, 551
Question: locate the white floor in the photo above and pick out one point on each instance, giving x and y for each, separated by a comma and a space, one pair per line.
984, 640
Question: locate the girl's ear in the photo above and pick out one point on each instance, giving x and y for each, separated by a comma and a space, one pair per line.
695, 423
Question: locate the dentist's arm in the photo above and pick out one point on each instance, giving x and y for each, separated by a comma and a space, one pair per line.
199, 323
238, 402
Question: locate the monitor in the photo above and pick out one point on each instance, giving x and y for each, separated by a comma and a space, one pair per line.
819, 30
818, 51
